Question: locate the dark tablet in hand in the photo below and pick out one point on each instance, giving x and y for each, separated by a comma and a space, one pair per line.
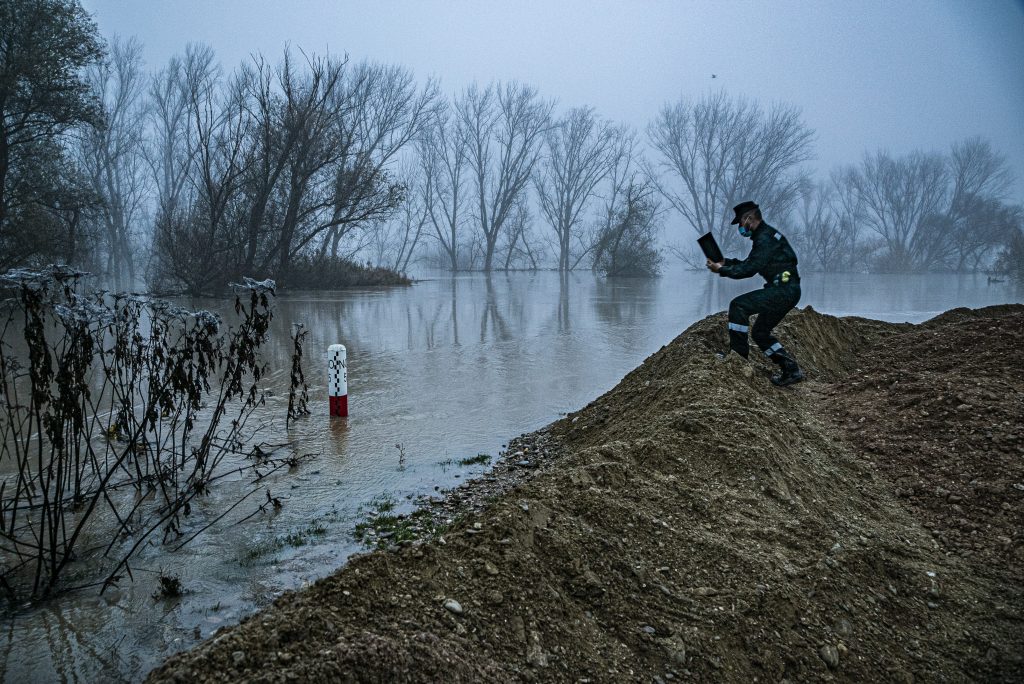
710, 247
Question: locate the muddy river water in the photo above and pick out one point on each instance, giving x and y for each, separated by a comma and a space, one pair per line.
444, 370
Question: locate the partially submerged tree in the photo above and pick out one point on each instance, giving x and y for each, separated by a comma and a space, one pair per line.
289, 111
394, 242
579, 152
627, 244
899, 198
112, 157
276, 162
196, 246
824, 236
981, 221
502, 126
518, 241
442, 152
932, 211
1010, 259
911, 213
384, 112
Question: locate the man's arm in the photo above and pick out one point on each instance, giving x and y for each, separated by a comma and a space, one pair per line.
715, 266
755, 261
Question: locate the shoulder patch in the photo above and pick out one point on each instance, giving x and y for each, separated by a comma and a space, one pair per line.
777, 236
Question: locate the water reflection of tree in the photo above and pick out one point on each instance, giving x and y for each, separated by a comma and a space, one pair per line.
455, 314
436, 315
67, 642
564, 317
624, 300
492, 317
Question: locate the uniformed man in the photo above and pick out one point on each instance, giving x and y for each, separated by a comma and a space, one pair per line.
772, 258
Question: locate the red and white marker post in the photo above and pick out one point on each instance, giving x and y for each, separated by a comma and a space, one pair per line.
337, 379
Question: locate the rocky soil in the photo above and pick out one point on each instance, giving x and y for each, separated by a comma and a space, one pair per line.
697, 523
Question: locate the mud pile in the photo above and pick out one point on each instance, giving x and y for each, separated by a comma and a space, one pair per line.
696, 522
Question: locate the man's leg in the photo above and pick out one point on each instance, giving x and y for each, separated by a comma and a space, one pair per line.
740, 310
781, 303
767, 319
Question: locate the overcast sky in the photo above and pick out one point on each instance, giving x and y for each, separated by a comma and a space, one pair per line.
867, 75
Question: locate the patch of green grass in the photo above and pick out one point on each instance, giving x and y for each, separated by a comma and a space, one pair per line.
382, 503
384, 529
301, 537
479, 459
260, 549
296, 538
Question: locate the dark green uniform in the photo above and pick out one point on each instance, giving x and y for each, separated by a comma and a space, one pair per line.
773, 259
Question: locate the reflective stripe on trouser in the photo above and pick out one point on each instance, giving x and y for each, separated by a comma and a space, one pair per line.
771, 305
772, 349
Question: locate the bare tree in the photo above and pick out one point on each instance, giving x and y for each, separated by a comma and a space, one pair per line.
625, 172
312, 107
502, 125
517, 243
626, 231
168, 151
113, 158
849, 211
384, 111
980, 228
395, 240
288, 108
719, 151
443, 156
903, 200
197, 246
276, 162
980, 220
824, 240
1010, 258
978, 170
580, 151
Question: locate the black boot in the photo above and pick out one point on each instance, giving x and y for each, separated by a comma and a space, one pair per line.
791, 373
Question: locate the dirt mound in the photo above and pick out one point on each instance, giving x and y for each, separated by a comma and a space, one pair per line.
961, 314
938, 410
693, 522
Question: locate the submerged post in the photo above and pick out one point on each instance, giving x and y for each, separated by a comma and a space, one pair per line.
337, 379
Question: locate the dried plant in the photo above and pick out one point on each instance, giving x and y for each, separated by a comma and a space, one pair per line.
116, 408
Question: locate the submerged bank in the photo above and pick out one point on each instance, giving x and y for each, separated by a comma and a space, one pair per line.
697, 522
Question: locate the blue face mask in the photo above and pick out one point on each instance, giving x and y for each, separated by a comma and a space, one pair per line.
744, 231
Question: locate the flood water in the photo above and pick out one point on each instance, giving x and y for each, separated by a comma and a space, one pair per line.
448, 368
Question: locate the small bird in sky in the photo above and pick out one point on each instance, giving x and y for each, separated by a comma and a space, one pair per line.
714, 76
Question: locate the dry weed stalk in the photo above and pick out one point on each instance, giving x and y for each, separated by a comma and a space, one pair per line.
117, 410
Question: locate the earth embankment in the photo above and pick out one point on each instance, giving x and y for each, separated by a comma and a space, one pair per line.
696, 522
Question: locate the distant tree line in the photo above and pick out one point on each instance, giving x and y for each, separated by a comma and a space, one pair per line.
914, 213
911, 213
297, 169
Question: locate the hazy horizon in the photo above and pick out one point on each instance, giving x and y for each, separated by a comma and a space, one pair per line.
866, 75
